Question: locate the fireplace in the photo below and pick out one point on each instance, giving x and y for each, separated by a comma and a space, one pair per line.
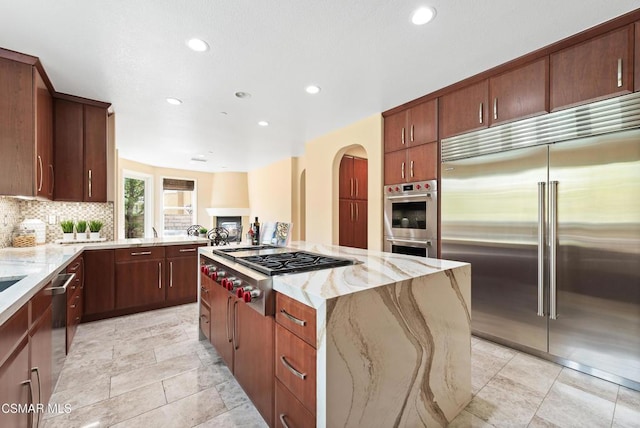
233, 224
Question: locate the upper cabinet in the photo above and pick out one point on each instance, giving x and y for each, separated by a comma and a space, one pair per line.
80, 136
464, 110
412, 127
520, 93
599, 68
637, 57
25, 130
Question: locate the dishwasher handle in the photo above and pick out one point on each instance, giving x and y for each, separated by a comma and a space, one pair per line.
65, 280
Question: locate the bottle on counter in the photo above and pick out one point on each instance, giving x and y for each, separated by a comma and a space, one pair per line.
256, 232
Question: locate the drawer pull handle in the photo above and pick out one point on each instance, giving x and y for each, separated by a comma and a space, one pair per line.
291, 369
141, 253
282, 420
72, 306
292, 318
187, 250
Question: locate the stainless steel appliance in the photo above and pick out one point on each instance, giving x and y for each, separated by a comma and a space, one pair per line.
411, 218
547, 211
247, 271
59, 322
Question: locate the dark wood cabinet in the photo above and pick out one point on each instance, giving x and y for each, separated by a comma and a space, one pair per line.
139, 274
16, 386
41, 357
182, 273
636, 66
290, 412
44, 139
99, 283
414, 164
353, 178
414, 126
599, 68
520, 93
222, 306
253, 337
244, 339
353, 202
464, 110
25, 131
75, 298
80, 143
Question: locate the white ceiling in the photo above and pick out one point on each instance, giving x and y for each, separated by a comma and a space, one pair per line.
365, 54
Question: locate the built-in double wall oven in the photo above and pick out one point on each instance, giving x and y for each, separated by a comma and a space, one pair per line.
411, 218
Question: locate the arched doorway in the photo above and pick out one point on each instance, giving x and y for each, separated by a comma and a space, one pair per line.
353, 200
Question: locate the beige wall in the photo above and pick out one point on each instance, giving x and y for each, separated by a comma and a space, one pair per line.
322, 179
204, 185
272, 193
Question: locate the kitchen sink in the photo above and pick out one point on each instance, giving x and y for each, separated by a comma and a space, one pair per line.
6, 283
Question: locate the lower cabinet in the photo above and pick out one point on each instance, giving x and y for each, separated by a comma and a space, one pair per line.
182, 273
75, 299
139, 276
26, 361
99, 284
244, 339
295, 354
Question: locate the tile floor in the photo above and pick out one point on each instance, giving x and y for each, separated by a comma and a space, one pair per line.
150, 369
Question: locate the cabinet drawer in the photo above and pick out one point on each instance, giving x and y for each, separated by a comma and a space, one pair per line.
74, 307
12, 331
290, 411
297, 318
296, 366
205, 288
205, 320
74, 266
139, 253
182, 250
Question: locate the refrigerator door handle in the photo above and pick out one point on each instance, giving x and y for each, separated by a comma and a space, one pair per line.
541, 243
553, 236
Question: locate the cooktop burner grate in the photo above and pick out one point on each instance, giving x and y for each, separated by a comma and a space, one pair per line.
298, 261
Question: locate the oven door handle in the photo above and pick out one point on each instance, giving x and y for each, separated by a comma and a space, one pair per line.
421, 195
411, 241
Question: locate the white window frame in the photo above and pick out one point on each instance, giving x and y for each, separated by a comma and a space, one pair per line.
194, 218
148, 202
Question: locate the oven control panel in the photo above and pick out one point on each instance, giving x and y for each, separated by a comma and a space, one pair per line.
411, 188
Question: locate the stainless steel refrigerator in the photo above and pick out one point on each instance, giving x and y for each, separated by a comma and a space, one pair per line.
552, 232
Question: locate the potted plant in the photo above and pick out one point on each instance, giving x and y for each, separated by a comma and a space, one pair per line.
94, 228
81, 230
202, 232
67, 230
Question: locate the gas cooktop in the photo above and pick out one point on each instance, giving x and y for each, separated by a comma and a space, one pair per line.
291, 262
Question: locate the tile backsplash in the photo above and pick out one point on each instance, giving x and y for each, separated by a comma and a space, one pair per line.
68, 211
9, 218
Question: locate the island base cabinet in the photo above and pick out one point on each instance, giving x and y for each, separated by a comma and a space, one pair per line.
289, 410
253, 358
221, 323
296, 366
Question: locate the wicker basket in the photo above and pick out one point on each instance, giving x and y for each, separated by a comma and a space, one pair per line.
24, 241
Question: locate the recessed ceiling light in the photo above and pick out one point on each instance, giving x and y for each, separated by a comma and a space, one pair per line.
263, 123
423, 15
243, 95
312, 89
174, 101
197, 45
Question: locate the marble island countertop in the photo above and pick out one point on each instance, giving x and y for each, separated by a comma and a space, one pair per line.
35, 266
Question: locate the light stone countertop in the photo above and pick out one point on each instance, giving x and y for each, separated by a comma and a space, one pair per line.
38, 265
376, 269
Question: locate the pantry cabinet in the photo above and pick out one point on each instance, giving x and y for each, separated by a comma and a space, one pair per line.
26, 138
353, 202
599, 68
353, 178
80, 141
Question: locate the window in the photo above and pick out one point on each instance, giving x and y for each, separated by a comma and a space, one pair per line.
137, 213
178, 207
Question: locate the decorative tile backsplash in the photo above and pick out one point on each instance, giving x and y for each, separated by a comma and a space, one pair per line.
9, 217
69, 211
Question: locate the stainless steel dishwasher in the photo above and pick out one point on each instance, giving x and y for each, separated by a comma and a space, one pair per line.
59, 330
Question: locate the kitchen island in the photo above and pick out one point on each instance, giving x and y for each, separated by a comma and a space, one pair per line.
391, 341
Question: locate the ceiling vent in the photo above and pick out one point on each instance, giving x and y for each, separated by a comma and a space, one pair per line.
198, 160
